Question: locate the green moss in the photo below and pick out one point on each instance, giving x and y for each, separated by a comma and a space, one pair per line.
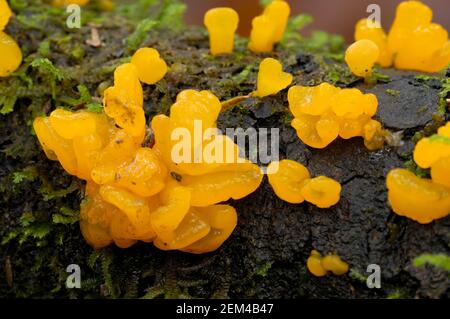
356, 275
438, 260
263, 271
67, 216
29, 173
439, 139
139, 34
393, 92
412, 166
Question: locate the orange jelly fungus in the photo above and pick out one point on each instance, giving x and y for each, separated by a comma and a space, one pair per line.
271, 78
124, 101
268, 28
61, 3
222, 24
136, 193
319, 266
150, 66
361, 56
413, 43
10, 50
5, 14
421, 199
292, 182
324, 112
205, 161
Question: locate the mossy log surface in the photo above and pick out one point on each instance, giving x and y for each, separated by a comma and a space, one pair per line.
266, 255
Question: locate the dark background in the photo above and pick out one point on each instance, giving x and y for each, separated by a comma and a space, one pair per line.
329, 15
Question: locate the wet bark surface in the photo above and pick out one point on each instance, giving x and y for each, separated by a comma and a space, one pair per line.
266, 255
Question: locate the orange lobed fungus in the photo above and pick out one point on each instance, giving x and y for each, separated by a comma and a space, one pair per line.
319, 266
150, 66
208, 163
421, 199
136, 193
222, 24
413, 43
271, 78
268, 28
292, 182
361, 56
11, 53
124, 101
61, 3
5, 14
324, 112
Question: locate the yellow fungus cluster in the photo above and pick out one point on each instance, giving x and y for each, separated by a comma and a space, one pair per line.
208, 163
324, 112
413, 43
135, 192
150, 66
268, 28
11, 55
319, 266
222, 24
292, 182
271, 78
421, 199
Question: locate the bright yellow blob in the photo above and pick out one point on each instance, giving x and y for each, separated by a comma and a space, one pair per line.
361, 56
5, 14
150, 66
11, 55
271, 78
222, 24
324, 112
292, 183
413, 42
319, 266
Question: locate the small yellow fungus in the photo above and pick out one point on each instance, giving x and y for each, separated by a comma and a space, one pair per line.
11, 55
124, 101
292, 183
334, 264
430, 150
421, 199
319, 266
434, 152
222, 220
268, 28
321, 191
413, 43
150, 67
5, 14
262, 36
417, 198
222, 24
361, 56
324, 112
271, 78
287, 179
314, 264
278, 11
62, 3
370, 30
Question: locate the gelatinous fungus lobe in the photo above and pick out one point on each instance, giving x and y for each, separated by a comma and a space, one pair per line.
222, 24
